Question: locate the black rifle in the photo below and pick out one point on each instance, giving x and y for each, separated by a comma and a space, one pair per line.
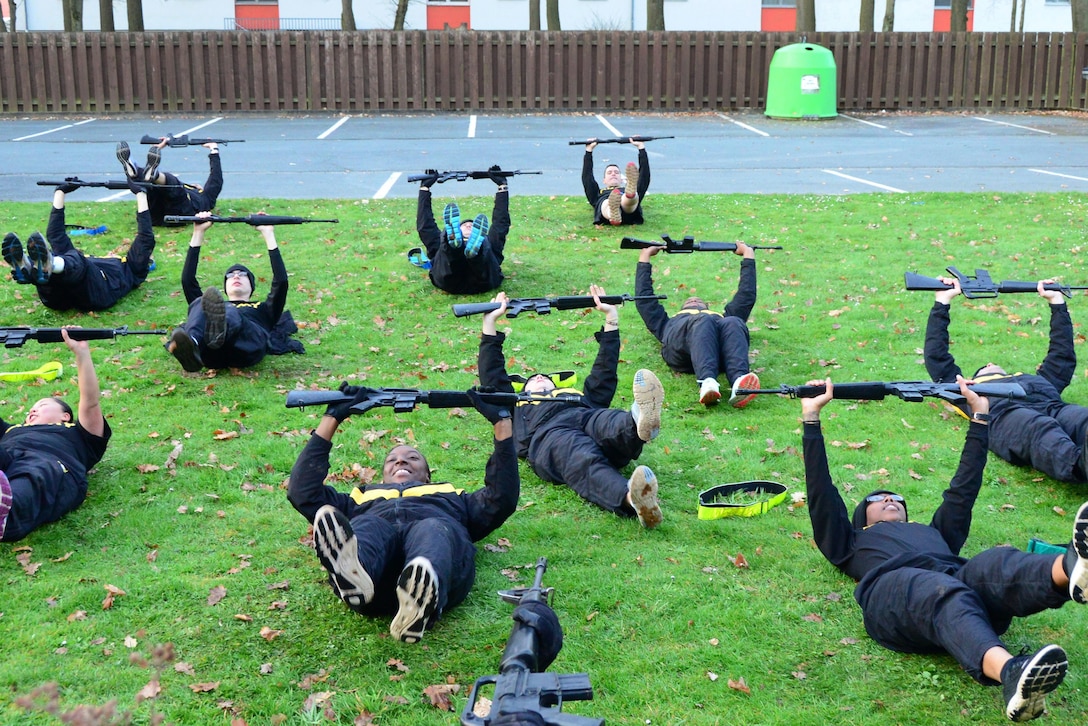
14, 337
523, 685
544, 305
104, 184
913, 391
687, 245
256, 220
445, 176
403, 400
618, 140
982, 285
186, 140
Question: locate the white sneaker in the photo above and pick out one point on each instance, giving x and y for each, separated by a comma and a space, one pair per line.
709, 394
747, 381
643, 489
417, 592
1078, 573
646, 410
338, 550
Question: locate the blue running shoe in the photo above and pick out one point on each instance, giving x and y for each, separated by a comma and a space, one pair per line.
41, 257
476, 238
13, 255
419, 258
451, 215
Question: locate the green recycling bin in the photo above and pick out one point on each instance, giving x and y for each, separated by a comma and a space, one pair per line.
802, 83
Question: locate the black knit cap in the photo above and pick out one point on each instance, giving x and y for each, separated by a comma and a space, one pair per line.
243, 268
860, 520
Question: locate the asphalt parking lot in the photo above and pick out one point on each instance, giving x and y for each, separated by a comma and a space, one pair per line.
371, 156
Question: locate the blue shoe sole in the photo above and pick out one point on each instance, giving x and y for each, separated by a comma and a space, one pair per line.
451, 215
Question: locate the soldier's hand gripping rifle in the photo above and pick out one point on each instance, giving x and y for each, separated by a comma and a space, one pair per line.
255, 220
544, 305
403, 400
982, 285
618, 140
686, 245
186, 140
14, 337
445, 176
523, 686
913, 391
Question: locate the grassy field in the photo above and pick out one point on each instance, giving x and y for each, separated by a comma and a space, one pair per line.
212, 559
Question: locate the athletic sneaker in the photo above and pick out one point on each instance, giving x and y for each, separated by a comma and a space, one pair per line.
215, 318
418, 257
338, 550
1076, 557
40, 256
709, 394
417, 592
643, 488
151, 171
124, 155
5, 501
451, 215
1026, 679
632, 180
182, 346
13, 255
749, 381
476, 238
615, 211
646, 410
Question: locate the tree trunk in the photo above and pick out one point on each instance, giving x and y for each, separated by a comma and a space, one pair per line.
135, 11
655, 14
868, 11
553, 15
806, 16
105, 16
1012, 21
402, 13
534, 14
77, 16
889, 16
1080, 15
347, 15
959, 16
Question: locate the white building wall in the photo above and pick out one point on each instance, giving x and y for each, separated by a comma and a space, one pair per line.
911, 16
995, 16
620, 14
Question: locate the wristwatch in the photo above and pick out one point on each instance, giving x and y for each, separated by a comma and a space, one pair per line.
980, 417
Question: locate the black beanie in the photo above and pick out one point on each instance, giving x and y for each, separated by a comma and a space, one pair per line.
243, 268
861, 521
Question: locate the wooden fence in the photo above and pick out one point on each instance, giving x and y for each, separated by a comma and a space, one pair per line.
225, 71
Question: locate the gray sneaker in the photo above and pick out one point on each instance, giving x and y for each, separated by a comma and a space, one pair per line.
646, 410
154, 157
124, 155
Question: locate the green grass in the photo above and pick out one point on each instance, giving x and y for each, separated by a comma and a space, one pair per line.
661, 620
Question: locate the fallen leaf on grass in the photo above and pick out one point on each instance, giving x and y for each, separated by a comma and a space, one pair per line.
77, 615
813, 618
185, 668
712, 676
112, 593
309, 681
269, 634
440, 695
151, 690
216, 594
740, 685
317, 700
398, 700
397, 665
365, 718
203, 687
739, 560
221, 435
146, 468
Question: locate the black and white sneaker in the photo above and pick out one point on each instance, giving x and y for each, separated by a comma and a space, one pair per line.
151, 171
215, 318
13, 255
338, 550
41, 258
417, 592
1076, 557
124, 155
1026, 679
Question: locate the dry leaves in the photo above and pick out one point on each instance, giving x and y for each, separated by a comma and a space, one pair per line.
439, 695
740, 685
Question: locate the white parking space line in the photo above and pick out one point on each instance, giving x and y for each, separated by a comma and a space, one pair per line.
114, 197
335, 126
197, 128
51, 131
472, 126
609, 126
1015, 126
744, 126
876, 125
384, 189
862, 181
1063, 176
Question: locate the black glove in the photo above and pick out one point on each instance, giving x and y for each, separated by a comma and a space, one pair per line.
67, 187
341, 411
497, 178
492, 412
431, 179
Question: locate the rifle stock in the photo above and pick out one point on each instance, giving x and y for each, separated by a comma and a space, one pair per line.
544, 305
913, 391
981, 285
618, 140
255, 220
523, 685
14, 337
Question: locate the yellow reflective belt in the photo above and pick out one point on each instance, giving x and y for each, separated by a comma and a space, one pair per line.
361, 496
711, 509
692, 311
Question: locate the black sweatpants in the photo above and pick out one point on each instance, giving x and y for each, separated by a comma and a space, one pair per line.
246, 342
1050, 444
707, 345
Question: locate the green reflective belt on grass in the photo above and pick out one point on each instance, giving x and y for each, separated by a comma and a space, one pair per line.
711, 509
